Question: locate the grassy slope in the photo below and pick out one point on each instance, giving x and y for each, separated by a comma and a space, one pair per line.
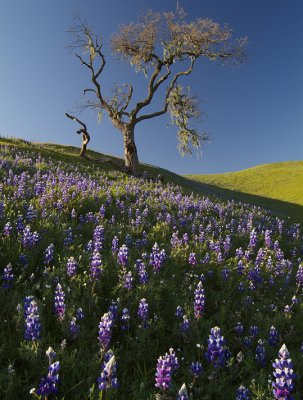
277, 186
268, 184
71, 154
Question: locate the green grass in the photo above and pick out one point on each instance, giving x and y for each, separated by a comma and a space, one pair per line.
277, 186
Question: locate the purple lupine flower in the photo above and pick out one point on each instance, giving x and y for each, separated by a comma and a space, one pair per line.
51, 354
115, 245
253, 330
299, 275
196, 369
185, 238
247, 341
217, 353
192, 259
199, 302
240, 267
71, 267
79, 314
128, 240
105, 331
157, 258
219, 257
69, 238
108, 379
239, 253
225, 273
31, 213
8, 276
239, 328
102, 210
179, 312
123, 255
36, 237
173, 360
182, 394
267, 238
113, 308
175, 241
49, 384
32, 326
59, 302
284, 376
260, 353
7, 230
125, 319
166, 365
143, 312
273, 337
142, 273
98, 237
95, 266
23, 259
49, 254
128, 280
19, 224
242, 393
144, 241
90, 246
184, 325
74, 328
227, 244
1, 210
27, 237
253, 239
27, 301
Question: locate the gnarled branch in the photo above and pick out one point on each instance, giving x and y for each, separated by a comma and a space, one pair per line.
85, 134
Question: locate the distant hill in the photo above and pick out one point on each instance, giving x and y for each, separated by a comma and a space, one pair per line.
278, 186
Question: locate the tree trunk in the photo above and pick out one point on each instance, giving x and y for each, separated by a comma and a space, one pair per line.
130, 150
85, 141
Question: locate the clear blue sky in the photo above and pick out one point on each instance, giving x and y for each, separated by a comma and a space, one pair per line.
254, 114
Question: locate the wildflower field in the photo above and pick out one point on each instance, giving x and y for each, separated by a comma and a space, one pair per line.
115, 287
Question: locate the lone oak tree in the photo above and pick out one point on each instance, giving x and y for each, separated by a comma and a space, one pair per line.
165, 47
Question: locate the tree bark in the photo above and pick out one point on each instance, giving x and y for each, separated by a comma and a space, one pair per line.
85, 141
130, 150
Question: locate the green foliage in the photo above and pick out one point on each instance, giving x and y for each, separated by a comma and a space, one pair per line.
183, 108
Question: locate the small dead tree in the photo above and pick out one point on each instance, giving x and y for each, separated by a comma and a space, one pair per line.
85, 134
165, 47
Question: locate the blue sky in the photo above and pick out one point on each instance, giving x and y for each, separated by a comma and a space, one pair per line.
254, 114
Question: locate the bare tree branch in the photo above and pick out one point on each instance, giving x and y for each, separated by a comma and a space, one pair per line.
89, 90
77, 120
168, 91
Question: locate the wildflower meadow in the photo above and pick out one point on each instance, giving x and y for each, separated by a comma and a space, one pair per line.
117, 287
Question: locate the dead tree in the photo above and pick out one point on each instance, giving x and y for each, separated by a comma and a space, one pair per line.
85, 134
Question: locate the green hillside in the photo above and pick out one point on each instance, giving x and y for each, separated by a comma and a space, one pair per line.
278, 186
